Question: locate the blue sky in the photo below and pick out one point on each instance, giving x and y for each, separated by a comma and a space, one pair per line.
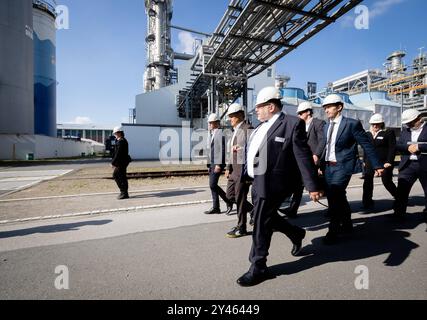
101, 58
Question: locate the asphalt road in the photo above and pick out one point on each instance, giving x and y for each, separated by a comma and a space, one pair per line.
180, 253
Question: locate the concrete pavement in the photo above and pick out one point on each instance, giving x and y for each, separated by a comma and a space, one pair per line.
180, 253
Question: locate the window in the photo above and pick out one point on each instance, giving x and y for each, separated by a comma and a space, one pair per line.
269, 72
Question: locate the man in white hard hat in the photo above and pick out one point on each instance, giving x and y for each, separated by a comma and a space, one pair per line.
216, 164
316, 142
237, 190
120, 162
384, 142
340, 158
412, 145
278, 155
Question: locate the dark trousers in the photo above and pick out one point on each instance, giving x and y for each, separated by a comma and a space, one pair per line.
121, 179
237, 192
267, 220
216, 190
368, 184
339, 209
296, 198
407, 177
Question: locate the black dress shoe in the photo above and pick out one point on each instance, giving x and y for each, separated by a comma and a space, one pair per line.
213, 211
296, 248
123, 196
249, 279
229, 209
330, 238
347, 228
368, 205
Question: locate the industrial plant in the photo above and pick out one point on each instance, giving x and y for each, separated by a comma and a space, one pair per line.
232, 63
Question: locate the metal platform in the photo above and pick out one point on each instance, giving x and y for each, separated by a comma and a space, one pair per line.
251, 36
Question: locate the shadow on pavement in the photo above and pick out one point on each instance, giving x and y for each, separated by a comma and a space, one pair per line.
52, 228
167, 194
372, 236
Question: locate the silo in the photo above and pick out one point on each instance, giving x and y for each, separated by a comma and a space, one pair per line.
44, 67
16, 67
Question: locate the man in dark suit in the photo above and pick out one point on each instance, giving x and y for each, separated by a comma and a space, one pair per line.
385, 146
120, 162
216, 164
316, 141
237, 190
412, 145
277, 157
340, 156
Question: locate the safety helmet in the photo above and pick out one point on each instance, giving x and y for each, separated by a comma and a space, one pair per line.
376, 118
268, 93
304, 106
332, 99
234, 108
410, 115
117, 129
213, 117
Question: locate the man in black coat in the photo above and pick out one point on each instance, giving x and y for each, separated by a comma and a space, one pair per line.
412, 146
277, 157
384, 142
316, 141
216, 164
120, 162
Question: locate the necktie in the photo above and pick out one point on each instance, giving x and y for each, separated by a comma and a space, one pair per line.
331, 131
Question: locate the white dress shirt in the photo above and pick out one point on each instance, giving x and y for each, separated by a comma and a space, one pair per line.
307, 125
235, 132
256, 141
415, 134
332, 156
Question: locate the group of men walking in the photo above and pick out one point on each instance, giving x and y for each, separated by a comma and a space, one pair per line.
285, 154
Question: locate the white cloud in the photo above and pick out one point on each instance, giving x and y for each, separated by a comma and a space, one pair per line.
377, 9
186, 42
82, 120
382, 6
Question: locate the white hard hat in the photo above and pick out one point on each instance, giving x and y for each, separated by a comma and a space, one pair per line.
235, 107
332, 99
267, 94
304, 106
117, 129
376, 118
213, 117
410, 115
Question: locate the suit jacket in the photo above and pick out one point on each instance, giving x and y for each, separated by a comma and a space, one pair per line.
217, 151
286, 157
402, 147
385, 147
121, 155
350, 133
236, 160
316, 137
